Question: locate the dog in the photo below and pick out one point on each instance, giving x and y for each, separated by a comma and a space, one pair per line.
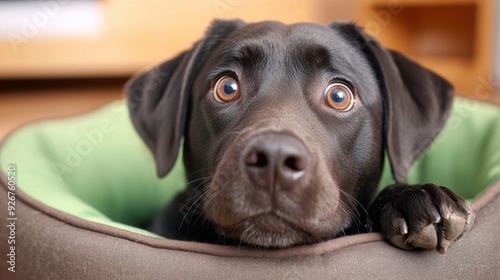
284, 130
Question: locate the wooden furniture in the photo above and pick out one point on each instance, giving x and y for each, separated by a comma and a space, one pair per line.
452, 37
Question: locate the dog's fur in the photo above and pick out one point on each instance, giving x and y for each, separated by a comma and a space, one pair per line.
277, 166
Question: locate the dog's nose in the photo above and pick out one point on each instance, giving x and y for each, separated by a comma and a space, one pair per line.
276, 160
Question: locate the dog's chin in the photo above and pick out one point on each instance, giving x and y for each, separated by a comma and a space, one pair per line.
268, 231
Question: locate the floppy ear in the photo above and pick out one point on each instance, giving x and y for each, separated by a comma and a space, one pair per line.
416, 101
158, 98
417, 105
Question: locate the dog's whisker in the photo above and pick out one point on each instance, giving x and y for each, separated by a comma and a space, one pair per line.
350, 216
352, 198
347, 211
192, 196
197, 197
196, 180
200, 170
200, 214
357, 217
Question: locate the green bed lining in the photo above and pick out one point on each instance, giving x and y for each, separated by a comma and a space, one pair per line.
96, 167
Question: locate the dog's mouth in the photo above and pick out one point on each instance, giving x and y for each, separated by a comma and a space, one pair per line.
268, 230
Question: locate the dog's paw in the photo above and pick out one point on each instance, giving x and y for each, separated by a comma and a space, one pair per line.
424, 216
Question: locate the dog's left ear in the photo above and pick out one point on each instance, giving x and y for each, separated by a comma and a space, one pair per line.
416, 101
158, 98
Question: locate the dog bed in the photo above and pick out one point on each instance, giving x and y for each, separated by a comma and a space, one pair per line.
85, 185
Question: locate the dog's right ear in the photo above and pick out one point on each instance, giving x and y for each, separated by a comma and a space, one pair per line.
158, 98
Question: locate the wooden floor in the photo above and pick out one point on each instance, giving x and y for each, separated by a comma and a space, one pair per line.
26, 101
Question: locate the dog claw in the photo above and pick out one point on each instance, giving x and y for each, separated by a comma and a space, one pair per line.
403, 227
436, 219
442, 248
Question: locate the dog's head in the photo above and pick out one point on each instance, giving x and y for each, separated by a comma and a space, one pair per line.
285, 126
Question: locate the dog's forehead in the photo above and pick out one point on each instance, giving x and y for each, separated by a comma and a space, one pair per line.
280, 32
299, 43
278, 35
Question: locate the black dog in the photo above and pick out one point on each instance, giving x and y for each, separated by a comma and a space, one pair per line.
285, 129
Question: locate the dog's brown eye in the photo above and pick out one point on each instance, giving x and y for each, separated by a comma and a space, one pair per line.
226, 89
339, 97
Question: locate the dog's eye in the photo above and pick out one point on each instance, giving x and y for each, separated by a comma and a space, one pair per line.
226, 89
339, 97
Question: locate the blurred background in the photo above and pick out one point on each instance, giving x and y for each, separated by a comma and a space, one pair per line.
62, 57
